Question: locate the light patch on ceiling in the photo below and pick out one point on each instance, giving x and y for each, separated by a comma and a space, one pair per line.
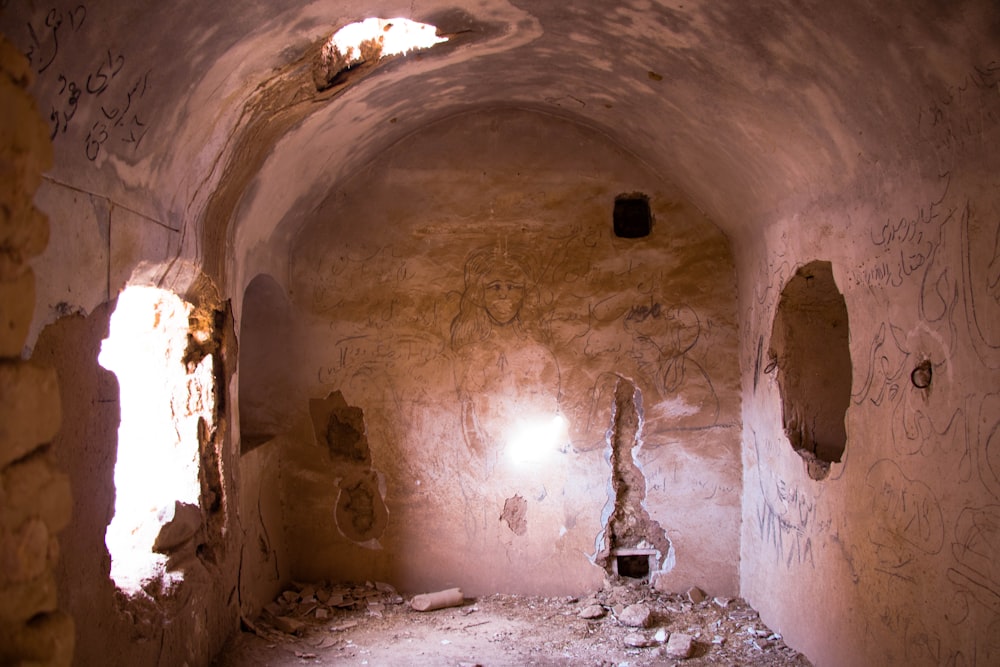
385, 37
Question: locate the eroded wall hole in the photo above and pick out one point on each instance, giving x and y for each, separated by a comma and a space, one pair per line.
168, 411
631, 537
810, 340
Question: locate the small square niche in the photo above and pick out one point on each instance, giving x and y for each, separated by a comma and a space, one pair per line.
632, 217
633, 563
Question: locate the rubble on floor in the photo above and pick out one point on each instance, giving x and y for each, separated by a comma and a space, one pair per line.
623, 624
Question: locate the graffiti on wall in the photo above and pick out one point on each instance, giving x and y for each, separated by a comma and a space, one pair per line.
95, 91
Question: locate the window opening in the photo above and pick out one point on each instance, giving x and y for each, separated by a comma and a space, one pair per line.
632, 217
369, 41
163, 399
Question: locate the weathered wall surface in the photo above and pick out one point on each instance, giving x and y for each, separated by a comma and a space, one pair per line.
469, 280
893, 558
35, 500
183, 624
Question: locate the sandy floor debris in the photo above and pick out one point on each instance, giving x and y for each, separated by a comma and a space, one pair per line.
371, 624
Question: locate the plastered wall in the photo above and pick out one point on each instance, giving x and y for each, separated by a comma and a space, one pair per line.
893, 558
490, 292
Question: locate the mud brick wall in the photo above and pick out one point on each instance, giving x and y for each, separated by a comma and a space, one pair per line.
35, 501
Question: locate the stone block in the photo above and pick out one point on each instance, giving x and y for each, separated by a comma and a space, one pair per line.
24, 552
46, 640
635, 615
17, 304
23, 600
680, 645
33, 488
29, 408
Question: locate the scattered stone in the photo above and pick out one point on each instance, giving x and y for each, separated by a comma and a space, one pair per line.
322, 614
593, 611
637, 640
289, 626
680, 645
661, 635
722, 602
347, 625
696, 595
718, 640
635, 615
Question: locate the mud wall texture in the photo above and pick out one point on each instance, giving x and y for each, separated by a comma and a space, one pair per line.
891, 558
35, 501
468, 284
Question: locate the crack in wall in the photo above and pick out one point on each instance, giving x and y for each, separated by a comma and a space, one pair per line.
629, 525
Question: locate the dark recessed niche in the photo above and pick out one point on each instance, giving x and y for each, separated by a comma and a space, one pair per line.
633, 567
810, 340
632, 217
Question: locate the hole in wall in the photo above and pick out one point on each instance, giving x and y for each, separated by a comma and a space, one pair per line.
921, 376
810, 341
632, 217
166, 405
368, 41
630, 532
633, 566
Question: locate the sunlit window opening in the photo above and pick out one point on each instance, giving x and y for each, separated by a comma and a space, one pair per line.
158, 453
388, 36
534, 440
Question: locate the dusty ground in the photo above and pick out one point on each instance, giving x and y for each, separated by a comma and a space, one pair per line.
369, 625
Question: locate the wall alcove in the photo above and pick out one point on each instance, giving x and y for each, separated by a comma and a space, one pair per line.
810, 341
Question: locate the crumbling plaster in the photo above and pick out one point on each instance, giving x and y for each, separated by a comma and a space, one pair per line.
857, 133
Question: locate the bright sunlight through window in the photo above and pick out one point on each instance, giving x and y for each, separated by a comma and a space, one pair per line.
395, 36
158, 452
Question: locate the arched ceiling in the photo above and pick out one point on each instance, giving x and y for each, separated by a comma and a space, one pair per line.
203, 117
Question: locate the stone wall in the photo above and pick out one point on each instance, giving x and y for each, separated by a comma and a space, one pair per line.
35, 501
892, 558
469, 281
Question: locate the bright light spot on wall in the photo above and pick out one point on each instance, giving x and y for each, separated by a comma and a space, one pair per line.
158, 452
394, 36
533, 440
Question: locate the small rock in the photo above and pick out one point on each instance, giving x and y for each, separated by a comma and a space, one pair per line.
635, 615
696, 595
722, 602
288, 625
718, 640
323, 595
322, 613
680, 645
661, 635
592, 611
637, 640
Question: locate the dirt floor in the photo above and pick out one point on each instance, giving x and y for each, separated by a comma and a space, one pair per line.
372, 625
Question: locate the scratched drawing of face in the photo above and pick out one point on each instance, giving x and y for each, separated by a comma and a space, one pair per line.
503, 295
